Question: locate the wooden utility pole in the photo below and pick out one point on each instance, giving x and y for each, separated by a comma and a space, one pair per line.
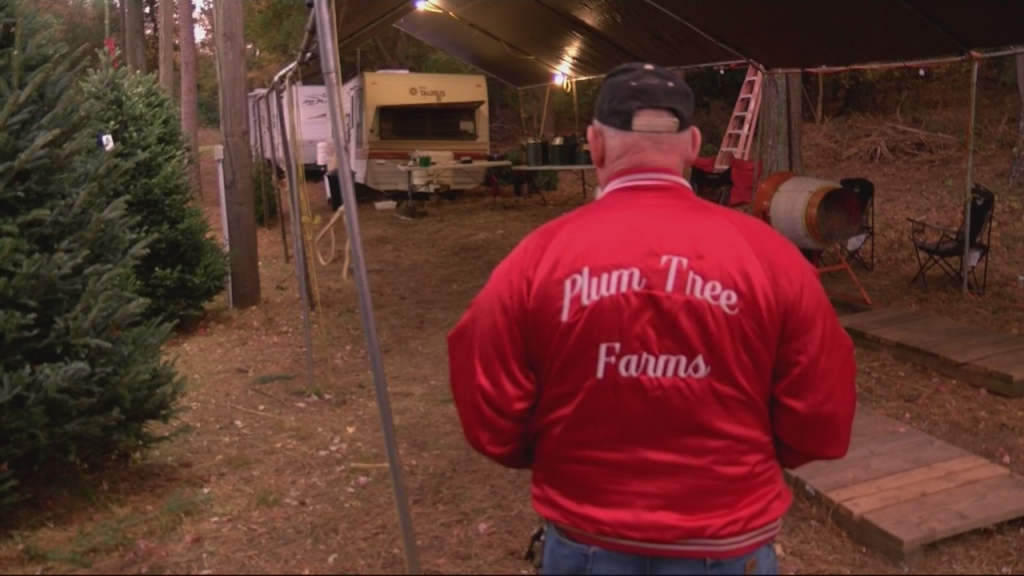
189, 89
780, 119
166, 32
234, 129
774, 120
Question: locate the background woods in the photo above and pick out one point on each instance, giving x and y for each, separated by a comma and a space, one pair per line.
273, 28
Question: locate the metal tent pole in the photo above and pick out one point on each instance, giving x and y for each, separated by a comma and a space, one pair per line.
965, 263
329, 67
300, 249
575, 110
259, 152
218, 157
273, 169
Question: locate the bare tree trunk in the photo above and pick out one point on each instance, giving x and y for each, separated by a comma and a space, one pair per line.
166, 52
794, 83
190, 90
774, 120
140, 39
123, 29
134, 36
122, 19
1017, 167
234, 129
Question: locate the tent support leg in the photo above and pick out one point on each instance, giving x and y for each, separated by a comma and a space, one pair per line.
329, 65
300, 250
965, 262
522, 111
576, 112
544, 113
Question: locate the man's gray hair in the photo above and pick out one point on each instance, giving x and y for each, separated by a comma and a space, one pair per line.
654, 136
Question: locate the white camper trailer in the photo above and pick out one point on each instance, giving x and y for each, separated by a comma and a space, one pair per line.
392, 115
314, 123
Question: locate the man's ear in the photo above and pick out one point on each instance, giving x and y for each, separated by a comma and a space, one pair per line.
596, 141
695, 141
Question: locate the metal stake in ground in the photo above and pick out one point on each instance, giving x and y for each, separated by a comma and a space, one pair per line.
329, 65
218, 157
300, 250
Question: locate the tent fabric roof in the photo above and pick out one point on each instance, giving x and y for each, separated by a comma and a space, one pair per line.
524, 42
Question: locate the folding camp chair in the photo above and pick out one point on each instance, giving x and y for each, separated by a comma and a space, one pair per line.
712, 186
861, 248
947, 251
743, 174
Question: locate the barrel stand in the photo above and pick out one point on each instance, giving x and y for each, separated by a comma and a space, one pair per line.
842, 265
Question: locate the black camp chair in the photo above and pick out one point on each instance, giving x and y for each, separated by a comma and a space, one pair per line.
947, 251
861, 248
712, 186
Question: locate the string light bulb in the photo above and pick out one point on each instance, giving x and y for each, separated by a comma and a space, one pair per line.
426, 6
563, 80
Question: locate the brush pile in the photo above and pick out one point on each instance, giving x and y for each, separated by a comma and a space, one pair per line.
874, 140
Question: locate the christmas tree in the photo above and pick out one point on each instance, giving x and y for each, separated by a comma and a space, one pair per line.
81, 369
185, 268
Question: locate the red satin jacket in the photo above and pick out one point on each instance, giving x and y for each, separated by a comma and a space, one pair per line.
655, 360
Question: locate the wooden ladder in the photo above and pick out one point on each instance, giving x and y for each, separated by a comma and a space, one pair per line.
739, 133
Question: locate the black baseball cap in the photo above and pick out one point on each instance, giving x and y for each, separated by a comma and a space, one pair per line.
637, 86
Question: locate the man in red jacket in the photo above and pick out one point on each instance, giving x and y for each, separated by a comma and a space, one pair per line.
655, 359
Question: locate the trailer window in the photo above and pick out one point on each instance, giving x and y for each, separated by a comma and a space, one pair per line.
427, 123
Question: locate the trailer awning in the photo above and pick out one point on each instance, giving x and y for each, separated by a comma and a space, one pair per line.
525, 42
456, 104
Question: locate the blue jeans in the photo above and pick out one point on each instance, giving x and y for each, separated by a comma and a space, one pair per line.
563, 556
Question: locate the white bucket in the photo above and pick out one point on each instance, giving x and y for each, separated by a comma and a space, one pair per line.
324, 153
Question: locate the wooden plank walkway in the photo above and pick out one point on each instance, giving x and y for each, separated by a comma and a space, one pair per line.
968, 353
899, 489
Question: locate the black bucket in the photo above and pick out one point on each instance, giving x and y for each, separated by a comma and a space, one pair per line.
583, 154
569, 148
534, 153
557, 154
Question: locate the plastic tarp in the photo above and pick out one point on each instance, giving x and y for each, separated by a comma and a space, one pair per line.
524, 42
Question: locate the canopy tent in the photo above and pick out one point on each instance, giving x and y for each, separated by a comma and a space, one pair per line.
526, 42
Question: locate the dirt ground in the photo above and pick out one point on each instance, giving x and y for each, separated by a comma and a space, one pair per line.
274, 472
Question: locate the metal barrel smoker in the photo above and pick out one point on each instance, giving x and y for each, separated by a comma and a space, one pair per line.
812, 213
816, 215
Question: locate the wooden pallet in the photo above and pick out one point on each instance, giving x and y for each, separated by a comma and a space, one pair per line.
981, 357
899, 489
